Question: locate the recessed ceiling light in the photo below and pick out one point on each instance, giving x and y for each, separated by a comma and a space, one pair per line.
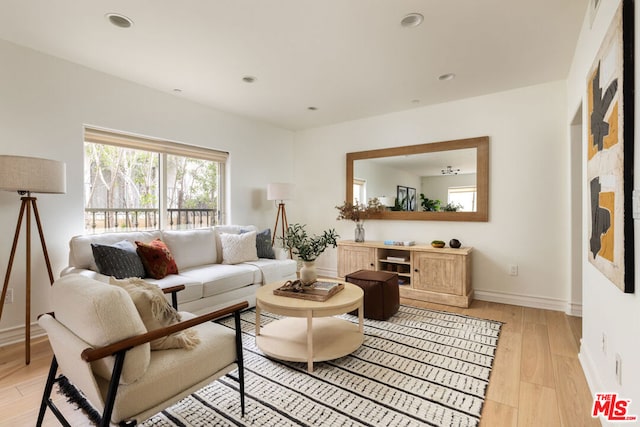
119, 20
412, 20
312, 108
248, 79
448, 76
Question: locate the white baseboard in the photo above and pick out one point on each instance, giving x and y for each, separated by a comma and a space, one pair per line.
593, 380
590, 371
16, 334
572, 309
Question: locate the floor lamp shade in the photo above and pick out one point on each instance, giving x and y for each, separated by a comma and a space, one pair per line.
28, 175
32, 174
279, 191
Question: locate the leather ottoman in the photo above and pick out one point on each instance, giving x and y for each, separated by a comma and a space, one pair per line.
381, 294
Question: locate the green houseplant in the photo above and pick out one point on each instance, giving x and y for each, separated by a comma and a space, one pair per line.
307, 248
429, 205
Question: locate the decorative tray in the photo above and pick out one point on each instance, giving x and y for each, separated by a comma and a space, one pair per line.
319, 291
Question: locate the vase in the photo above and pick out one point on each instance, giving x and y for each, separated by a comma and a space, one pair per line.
308, 273
359, 236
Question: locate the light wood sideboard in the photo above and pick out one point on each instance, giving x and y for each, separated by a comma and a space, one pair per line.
425, 273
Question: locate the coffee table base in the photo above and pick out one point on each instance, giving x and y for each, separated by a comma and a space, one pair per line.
331, 338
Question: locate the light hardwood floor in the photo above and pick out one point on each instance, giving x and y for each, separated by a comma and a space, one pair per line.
536, 379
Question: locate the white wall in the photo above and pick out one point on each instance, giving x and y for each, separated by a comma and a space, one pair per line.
529, 187
44, 103
383, 181
606, 310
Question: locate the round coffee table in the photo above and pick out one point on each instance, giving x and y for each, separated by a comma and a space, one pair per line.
309, 333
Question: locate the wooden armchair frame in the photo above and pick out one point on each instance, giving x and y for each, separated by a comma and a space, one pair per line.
119, 350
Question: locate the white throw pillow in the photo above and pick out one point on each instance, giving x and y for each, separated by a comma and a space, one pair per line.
237, 248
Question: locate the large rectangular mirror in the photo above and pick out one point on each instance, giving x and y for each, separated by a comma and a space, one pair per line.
445, 181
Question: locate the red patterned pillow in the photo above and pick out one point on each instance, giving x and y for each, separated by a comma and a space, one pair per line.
157, 259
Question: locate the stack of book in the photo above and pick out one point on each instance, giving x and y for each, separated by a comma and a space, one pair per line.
400, 242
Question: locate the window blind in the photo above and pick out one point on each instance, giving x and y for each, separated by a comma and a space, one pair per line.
103, 136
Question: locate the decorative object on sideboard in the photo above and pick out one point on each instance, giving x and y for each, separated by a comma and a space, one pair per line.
358, 212
437, 243
279, 192
455, 243
308, 248
28, 175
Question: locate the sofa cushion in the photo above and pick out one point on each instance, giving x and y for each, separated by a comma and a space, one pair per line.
263, 245
192, 288
220, 278
100, 315
157, 313
269, 271
119, 260
81, 255
237, 248
191, 247
157, 259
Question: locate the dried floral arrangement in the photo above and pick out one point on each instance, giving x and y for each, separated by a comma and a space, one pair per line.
359, 211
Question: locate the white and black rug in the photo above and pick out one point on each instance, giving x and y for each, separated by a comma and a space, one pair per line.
421, 367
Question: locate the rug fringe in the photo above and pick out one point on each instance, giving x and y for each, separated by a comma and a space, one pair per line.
75, 397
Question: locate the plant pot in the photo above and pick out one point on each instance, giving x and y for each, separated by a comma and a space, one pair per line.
308, 273
359, 232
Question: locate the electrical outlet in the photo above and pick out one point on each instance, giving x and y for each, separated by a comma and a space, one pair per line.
619, 369
604, 343
513, 269
8, 298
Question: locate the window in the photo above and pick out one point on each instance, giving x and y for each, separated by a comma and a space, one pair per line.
136, 183
464, 197
359, 190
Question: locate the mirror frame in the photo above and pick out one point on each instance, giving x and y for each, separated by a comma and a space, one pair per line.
482, 180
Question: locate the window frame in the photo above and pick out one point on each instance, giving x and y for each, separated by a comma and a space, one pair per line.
164, 147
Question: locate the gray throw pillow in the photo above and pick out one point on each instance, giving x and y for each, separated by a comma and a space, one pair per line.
118, 260
263, 244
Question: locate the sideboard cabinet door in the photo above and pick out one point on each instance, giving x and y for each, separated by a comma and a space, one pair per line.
354, 258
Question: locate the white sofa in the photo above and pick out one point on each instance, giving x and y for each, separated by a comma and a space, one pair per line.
209, 283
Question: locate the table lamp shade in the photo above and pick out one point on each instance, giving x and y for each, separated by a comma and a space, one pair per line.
279, 191
32, 174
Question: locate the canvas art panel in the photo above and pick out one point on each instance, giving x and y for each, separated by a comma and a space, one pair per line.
402, 197
610, 156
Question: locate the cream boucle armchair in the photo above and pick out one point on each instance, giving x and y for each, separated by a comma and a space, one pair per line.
101, 346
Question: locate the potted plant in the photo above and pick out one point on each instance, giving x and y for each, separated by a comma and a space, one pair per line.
429, 205
307, 248
358, 212
451, 207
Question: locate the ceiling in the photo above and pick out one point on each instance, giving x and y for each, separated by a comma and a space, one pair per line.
347, 58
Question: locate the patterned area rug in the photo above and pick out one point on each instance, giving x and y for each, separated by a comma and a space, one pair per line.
422, 367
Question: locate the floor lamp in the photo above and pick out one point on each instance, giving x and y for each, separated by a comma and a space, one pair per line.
28, 175
280, 192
